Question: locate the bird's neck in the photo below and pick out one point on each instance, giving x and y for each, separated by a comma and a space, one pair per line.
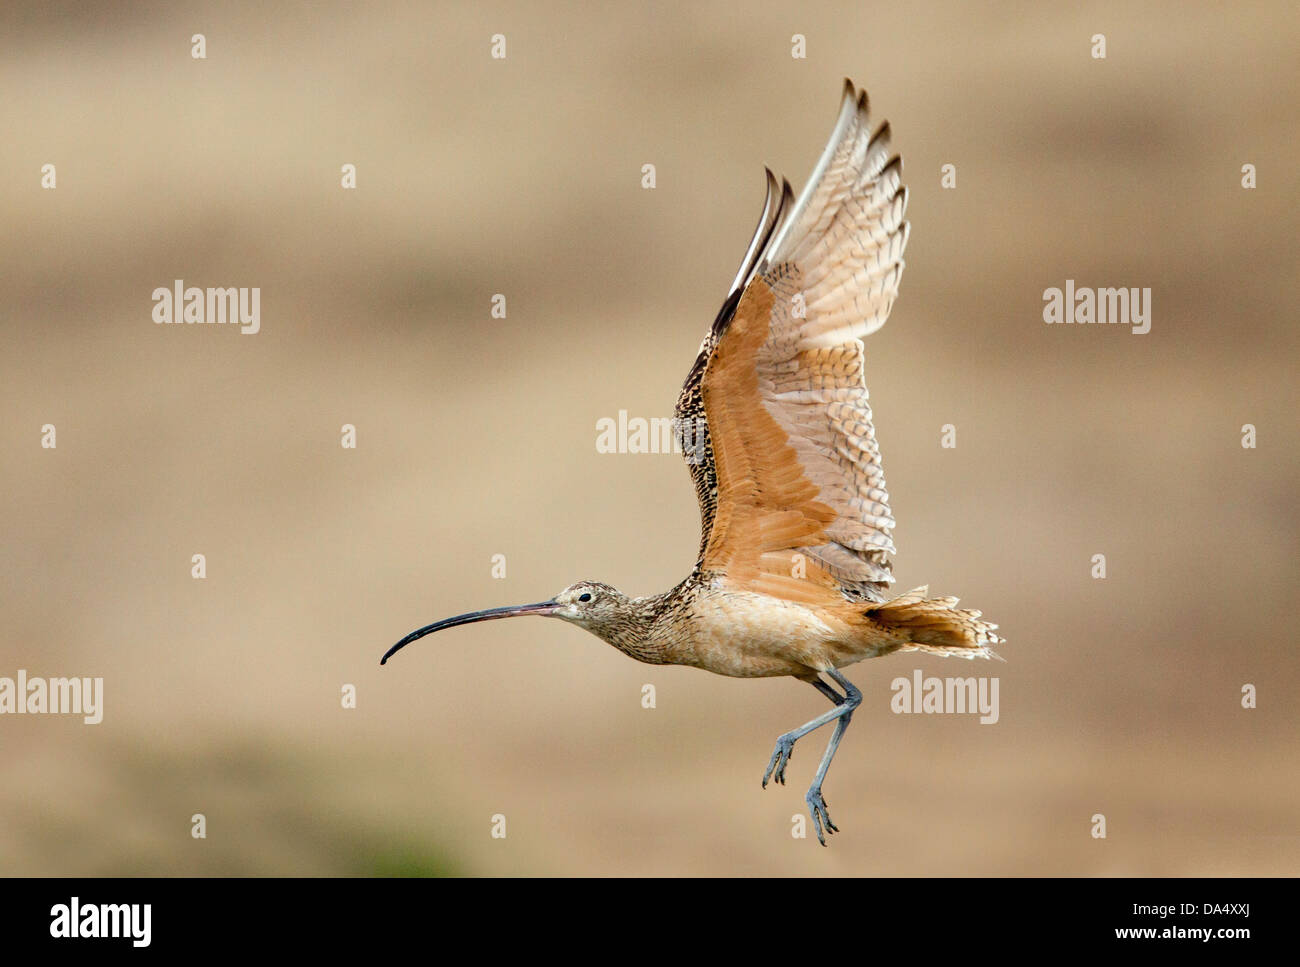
632, 632
640, 629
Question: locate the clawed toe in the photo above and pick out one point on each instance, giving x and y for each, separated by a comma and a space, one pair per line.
817, 809
780, 759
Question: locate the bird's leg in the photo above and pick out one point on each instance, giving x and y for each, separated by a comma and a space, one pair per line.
816, 803
785, 744
835, 697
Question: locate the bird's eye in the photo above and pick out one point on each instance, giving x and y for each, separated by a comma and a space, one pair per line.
584, 597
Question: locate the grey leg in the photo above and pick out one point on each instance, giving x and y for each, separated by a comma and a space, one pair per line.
785, 744
835, 697
814, 799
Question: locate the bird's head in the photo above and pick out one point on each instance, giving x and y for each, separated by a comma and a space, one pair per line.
588, 604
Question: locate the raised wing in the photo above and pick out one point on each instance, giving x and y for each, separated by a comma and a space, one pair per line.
692, 422
792, 495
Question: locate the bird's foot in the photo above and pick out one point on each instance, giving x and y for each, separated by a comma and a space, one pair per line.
817, 809
780, 759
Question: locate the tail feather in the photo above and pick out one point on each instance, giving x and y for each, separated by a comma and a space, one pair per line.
936, 626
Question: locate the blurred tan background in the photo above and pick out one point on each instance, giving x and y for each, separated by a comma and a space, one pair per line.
477, 436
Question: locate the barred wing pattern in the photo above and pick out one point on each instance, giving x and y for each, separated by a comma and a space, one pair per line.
792, 494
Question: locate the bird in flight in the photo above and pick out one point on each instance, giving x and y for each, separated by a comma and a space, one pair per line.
793, 571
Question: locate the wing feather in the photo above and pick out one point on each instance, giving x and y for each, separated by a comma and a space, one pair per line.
794, 499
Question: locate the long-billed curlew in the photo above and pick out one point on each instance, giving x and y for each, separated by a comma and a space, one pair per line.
793, 565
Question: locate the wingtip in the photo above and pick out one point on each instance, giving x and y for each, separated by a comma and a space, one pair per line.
850, 99
855, 96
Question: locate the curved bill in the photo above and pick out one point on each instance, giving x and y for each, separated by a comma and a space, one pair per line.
541, 607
